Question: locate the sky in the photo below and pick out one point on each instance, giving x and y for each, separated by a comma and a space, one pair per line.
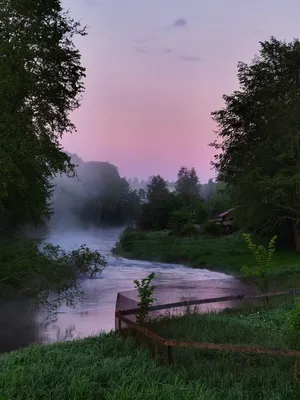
156, 69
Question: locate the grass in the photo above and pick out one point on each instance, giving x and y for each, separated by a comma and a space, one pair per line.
106, 367
237, 376
225, 254
110, 367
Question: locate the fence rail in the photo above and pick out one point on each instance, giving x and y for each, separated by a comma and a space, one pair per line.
121, 316
211, 300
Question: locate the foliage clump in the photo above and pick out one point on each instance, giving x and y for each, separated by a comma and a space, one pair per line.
263, 262
145, 292
47, 274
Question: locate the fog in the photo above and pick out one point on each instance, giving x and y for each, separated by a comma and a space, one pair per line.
89, 198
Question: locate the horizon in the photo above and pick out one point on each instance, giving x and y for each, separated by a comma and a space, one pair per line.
155, 72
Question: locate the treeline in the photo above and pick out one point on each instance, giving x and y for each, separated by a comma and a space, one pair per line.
183, 208
97, 195
258, 142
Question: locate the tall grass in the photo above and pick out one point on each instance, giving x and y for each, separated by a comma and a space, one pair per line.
111, 367
104, 367
236, 375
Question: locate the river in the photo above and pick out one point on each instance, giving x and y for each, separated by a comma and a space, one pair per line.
96, 312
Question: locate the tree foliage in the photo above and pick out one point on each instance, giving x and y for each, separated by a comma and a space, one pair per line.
49, 275
258, 136
263, 262
188, 187
145, 292
160, 203
41, 79
178, 220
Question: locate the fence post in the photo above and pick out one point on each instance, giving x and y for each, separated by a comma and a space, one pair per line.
170, 355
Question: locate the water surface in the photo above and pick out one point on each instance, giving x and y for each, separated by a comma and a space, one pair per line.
19, 326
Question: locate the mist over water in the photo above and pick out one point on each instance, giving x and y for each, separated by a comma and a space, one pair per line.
96, 312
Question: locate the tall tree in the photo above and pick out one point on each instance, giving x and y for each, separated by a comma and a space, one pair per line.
40, 84
258, 137
188, 187
158, 206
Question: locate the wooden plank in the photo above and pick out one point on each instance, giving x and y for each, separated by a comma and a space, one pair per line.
211, 300
143, 330
184, 303
232, 348
272, 294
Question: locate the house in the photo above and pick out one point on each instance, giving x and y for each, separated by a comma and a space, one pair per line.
225, 220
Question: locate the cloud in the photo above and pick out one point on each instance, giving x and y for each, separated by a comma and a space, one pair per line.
179, 23
190, 58
167, 51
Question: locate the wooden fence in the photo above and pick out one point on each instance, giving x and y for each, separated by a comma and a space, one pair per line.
121, 316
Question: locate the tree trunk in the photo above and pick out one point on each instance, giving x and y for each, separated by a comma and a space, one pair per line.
297, 237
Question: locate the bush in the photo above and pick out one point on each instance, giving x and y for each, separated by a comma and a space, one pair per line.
45, 273
263, 262
190, 230
128, 236
201, 214
211, 228
178, 220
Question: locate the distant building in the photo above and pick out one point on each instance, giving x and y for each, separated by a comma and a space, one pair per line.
225, 220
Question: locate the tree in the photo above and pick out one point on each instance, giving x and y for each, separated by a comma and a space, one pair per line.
159, 204
201, 213
49, 277
220, 201
178, 220
208, 190
41, 80
258, 138
40, 84
188, 187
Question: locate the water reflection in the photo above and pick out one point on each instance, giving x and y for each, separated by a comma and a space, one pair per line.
96, 312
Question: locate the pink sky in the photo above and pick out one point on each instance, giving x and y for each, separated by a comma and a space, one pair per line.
147, 110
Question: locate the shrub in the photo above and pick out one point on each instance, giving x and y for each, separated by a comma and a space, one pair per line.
128, 237
200, 214
45, 273
211, 228
189, 230
263, 262
145, 293
178, 220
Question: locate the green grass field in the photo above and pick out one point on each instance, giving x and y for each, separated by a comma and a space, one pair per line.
106, 367
237, 376
110, 367
225, 254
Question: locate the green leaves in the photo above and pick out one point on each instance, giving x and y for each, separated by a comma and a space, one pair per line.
145, 292
258, 135
41, 80
49, 276
263, 262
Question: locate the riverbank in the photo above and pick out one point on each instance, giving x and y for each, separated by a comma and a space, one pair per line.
225, 254
112, 367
